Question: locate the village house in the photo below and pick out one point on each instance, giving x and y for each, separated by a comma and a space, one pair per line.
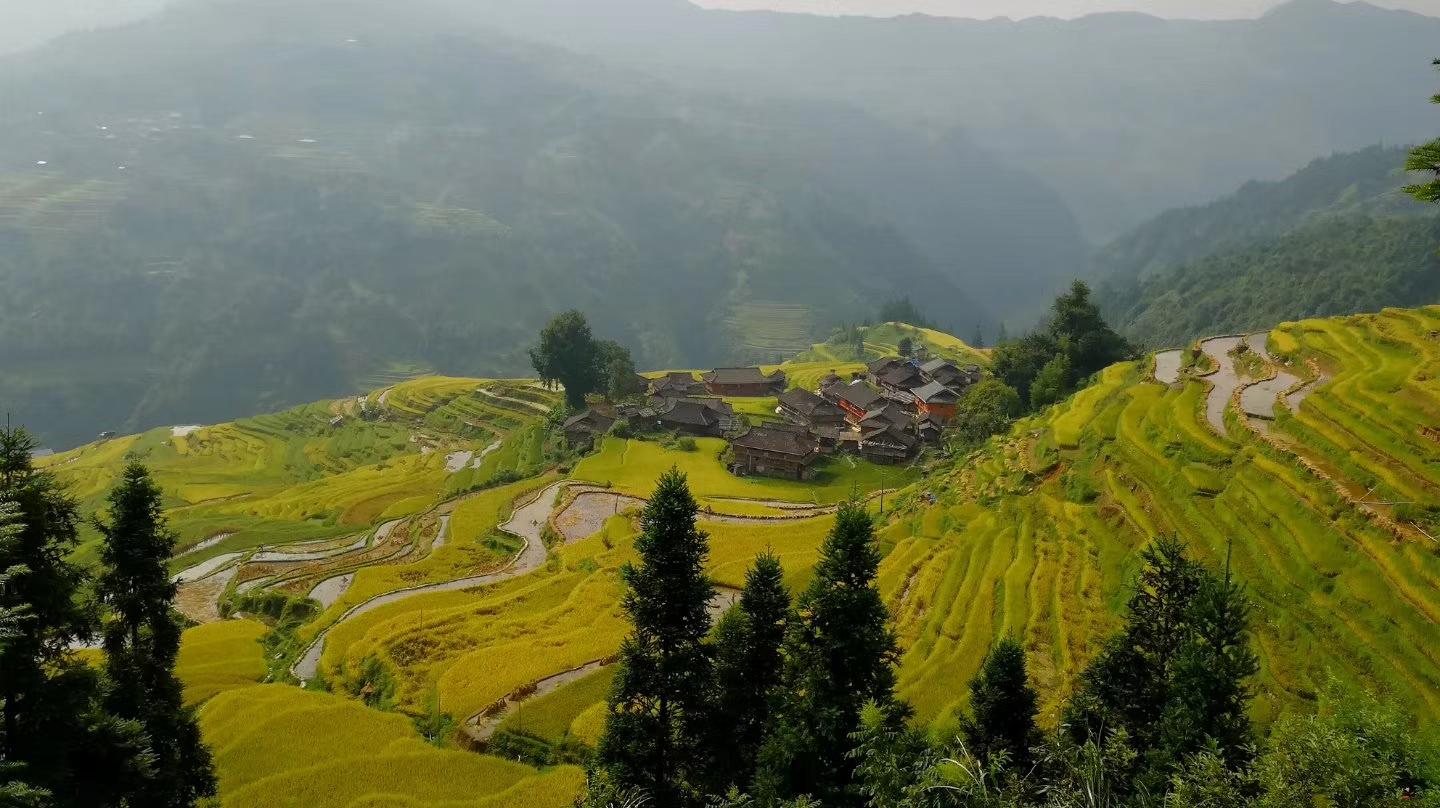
743, 382
806, 408
676, 384
583, 430
856, 399
776, 450
936, 400
896, 377
888, 445
698, 417
946, 373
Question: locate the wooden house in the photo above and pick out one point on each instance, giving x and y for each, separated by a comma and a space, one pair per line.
856, 399
776, 450
676, 384
936, 400
743, 382
946, 373
583, 430
804, 407
700, 417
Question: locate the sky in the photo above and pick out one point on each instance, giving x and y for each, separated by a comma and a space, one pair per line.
986, 9
29, 23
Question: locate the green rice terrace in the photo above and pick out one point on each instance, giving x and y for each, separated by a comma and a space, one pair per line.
443, 576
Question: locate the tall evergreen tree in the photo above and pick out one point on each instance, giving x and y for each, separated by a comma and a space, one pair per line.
1426, 158
840, 653
1003, 709
1173, 678
653, 739
142, 641
748, 661
14, 791
51, 721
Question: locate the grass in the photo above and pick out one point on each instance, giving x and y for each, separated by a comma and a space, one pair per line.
276, 745
632, 466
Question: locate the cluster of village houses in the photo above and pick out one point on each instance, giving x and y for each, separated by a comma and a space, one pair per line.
886, 414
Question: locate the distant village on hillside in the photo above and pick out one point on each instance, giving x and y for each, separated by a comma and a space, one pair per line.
886, 414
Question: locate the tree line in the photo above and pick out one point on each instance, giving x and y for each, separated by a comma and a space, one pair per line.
792, 704
71, 733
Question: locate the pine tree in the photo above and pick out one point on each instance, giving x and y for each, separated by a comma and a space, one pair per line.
1209, 706
1003, 709
840, 654
1426, 158
52, 721
748, 661
14, 791
655, 728
142, 641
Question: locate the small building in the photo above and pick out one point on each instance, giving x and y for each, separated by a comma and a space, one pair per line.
896, 377
936, 401
703, 417
888, 445
946, 373
776, 450
743, 382
583, 430
856, 399
676, 384
804, 407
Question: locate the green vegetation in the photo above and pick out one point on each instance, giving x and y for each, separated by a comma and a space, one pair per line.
631, 467
1337, 237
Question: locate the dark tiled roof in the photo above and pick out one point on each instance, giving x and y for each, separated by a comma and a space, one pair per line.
692, 413
796, 442
590, 419
857, 394
807, 403
884, 365
935, 393
937, 364
750, 375
903, 377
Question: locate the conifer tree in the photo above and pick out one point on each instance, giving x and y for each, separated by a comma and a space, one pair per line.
840, 653
142, 641
1003, 709
655, 727
748, 660
52, 722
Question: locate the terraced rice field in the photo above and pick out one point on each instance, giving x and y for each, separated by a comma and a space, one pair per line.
276, 745
1035, 535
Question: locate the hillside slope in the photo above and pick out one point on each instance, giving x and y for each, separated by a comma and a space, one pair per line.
1035, 535
1338, 236
247, 205
1145, 115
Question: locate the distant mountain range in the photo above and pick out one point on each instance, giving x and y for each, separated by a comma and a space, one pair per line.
1022, 9
237, 205
1337, 237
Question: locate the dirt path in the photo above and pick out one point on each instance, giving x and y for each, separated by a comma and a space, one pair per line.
1167, 366
485, 391
481, 726
527, 523
1223, 382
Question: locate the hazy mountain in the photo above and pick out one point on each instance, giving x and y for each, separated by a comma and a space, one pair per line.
212, 212
1123, 114
1337, 237
1021, 9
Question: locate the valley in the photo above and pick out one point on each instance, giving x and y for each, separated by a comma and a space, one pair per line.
495, 613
